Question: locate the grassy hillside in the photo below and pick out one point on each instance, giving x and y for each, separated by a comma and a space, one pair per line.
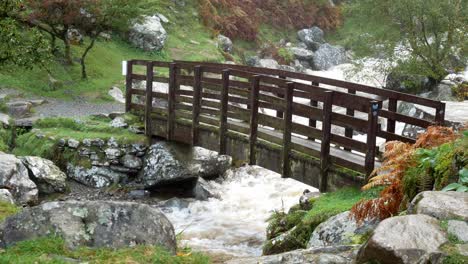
188, 39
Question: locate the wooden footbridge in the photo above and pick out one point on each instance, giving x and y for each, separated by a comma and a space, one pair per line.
300, 114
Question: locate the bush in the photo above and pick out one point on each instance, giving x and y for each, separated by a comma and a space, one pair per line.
242, 19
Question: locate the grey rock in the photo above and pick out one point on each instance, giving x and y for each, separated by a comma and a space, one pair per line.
403, 239
118, 122
458, 229
47, 176
4, 120
112, 142
5, 196
204, 190
96, 177
312, 37
206, 163
268, 63
117, 94
14, 176
408, 83
287, 68
326, 255
162, 167
19, 109
92, 224
441, 205
339, 230
163, 18
131, 162
73, 143
149, 35
138, 194
224, 43
302, 54
26, 122
252, 61
74, 36
113, 153
328, 56
176, 203
113, 115
37, 102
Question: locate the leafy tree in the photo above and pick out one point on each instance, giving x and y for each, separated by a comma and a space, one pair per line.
427, 33
19, 44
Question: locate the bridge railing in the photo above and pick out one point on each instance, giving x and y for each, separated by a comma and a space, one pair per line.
387, 112
233, 100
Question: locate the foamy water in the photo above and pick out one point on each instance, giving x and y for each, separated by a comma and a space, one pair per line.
236, 223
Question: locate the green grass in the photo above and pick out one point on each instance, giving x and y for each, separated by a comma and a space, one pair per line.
53, 250
7, 209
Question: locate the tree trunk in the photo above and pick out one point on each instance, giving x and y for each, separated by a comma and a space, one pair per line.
66, 42
83, 57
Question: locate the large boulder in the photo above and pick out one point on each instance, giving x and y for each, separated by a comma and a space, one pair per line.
14, 176
459, 229
148, 35
117, 94
91, 224
328, 56
19, 109
5, 196
48, 177
268, 63
312, 37
441, 205
341, 229
325, 255
403, 239
225, 43
161, 167
96, 177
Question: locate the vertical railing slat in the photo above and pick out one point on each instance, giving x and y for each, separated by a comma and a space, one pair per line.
392, 107
313, 103
372, 125
325, 144
280, 114
171, 101
440, 114
287, 130
350, 112
224, 110
254, 93
149, 97
197, 91
128, 86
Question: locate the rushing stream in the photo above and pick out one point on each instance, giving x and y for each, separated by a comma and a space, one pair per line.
235, 224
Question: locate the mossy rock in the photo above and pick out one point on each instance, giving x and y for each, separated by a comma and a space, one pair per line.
280, 222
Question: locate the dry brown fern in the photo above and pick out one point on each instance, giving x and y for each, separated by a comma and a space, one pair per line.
397, 159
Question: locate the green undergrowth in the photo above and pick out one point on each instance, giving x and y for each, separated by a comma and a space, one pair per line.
43, 139
53, 250
302, 223
7, 209
4, 139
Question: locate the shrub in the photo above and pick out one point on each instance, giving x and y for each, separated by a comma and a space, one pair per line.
242, 19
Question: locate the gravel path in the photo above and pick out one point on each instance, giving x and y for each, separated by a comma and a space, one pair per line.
77, 108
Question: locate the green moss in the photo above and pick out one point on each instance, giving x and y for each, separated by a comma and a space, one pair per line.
7, 209
53, 250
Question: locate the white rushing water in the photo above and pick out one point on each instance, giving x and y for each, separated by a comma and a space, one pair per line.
235, 224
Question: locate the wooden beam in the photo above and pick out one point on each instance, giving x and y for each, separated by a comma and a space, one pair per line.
373, 117
224, 109
149, 98
254, 92
392, 107
287, 130
128, 86
313, 103
325, 144
197, 91
280, 114
440, 114
350, 112
171, 100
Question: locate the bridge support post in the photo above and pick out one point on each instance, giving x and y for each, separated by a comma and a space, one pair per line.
440, 114
287, 130
197, 91
128, 86
392, 107
373, 116
223, 115
350, 112
254, 94
149, 98
171, 101
325, 144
